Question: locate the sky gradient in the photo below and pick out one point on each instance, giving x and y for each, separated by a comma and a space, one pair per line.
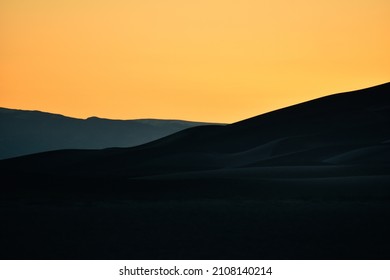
204, 60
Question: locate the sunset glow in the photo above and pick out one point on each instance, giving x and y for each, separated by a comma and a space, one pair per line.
214, 60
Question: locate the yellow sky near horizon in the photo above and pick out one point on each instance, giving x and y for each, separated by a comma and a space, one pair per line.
204, 60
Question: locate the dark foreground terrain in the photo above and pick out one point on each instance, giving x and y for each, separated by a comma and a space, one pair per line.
311, 181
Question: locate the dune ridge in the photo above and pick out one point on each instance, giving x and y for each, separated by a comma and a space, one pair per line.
310, 181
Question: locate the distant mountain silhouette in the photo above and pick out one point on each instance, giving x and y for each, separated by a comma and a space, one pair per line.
28, 132
310, 181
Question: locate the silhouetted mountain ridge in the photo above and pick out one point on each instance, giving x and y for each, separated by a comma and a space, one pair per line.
27, 132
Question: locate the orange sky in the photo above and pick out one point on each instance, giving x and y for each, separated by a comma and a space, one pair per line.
207, 60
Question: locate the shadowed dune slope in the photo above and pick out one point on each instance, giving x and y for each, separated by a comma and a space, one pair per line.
345, 128
310, 181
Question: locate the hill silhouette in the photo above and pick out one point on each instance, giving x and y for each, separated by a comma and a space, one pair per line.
310, 181
27, 132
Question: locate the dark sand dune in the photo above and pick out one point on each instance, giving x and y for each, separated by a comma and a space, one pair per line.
371, 154
310, 181
310, 132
